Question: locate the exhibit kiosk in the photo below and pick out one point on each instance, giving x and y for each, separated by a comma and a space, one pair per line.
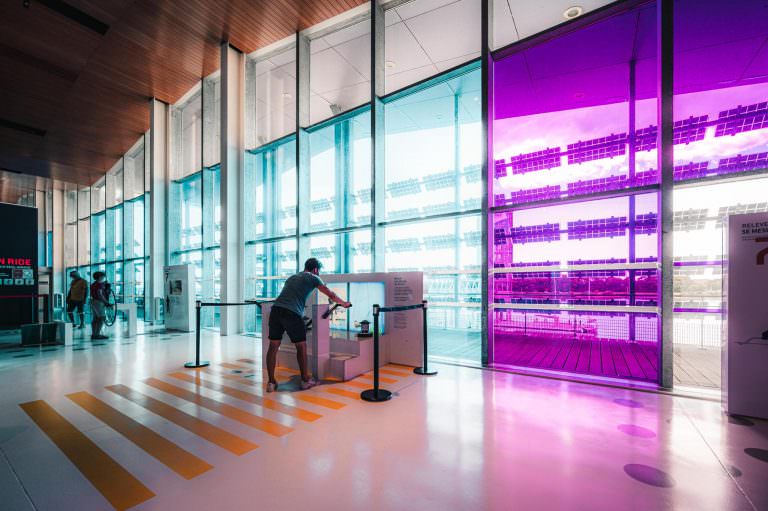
340, 342
745, 316
179, 298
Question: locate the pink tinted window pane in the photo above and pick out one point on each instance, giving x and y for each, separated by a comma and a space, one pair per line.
562, 113
721, 87
589, 232
615, 345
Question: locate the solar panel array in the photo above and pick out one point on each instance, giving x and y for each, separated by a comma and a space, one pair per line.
598, 148
597, 228
741, 119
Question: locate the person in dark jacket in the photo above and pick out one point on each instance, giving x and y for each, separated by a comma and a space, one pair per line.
99, 302
78, 293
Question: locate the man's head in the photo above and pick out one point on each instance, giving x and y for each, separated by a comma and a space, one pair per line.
312, 265
99, 276
74, 275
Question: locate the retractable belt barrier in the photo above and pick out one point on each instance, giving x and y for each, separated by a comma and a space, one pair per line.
199, 305
376, 394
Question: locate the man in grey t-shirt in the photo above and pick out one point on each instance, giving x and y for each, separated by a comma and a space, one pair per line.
287, 316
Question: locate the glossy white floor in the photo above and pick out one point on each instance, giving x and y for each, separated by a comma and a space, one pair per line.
465, 439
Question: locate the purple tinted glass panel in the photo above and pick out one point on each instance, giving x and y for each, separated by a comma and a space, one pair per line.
615, 345
721, 83
586, 231
598, 287
562, 125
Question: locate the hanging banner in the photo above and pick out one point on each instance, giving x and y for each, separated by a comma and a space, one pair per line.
18, 265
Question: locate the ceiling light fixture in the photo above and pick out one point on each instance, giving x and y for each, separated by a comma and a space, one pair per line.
573, 12
390, 64
287, 95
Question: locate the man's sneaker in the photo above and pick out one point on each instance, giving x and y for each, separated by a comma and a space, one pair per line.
271, 387
308, 384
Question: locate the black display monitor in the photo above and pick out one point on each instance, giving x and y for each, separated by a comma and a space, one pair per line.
18, 265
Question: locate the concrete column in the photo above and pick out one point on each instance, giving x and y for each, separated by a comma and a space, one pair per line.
232, 194
157, 247
378, 187
303, 204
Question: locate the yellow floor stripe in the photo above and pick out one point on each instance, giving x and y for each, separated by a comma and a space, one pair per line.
342, 392
235, 366
267, 426
116, 484
382, 379
208, 431
184, 463
249, 397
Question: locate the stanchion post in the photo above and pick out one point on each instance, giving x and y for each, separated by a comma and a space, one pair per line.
424, 370
197, 362
376, 394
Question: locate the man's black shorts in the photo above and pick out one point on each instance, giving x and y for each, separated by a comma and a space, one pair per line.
282, 320
73, 305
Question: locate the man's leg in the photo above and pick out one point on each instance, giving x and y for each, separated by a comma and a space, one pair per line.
274, 346
301, 357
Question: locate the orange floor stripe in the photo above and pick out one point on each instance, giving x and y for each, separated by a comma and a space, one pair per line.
299, 396
235, 366
394, 373
184, 463
342, 392
249, 397
267, 426
357, 384
317, 400
382, 379
116, 484
206, 430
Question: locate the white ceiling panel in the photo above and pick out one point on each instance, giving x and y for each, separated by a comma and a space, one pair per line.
317, 45
347, 34
286, 57
448, 64
534, 17
402, 49
358, 53
329, 71
319, 108
419, 7
391, 17
397, 81
448, 32
348, 97
504, 31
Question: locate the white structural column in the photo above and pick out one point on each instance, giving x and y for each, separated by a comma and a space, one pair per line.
377, 134
58, 279
232, 199
303, 202
157, 247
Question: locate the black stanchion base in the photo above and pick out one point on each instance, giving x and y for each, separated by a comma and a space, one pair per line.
376, 395
422, 371
193, 365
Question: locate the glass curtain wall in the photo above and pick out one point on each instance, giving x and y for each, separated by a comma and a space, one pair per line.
195, 233
432, 203
721, 159
574, 259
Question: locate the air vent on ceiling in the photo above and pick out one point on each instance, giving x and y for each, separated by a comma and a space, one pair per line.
76, 15
5, 123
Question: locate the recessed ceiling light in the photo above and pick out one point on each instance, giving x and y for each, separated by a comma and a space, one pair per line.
287, 95
476, 98
390, 64
573, 12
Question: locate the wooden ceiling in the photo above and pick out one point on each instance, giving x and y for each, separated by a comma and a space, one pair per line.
74, 92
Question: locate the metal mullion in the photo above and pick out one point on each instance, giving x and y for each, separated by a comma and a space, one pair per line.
377, 134
665, 164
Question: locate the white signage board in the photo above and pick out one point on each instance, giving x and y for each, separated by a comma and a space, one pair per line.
179, 297
403, 331
745, 316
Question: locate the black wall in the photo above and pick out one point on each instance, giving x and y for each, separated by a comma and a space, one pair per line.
18, 264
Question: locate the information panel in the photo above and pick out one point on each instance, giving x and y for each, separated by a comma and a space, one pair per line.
18, 265
745, 350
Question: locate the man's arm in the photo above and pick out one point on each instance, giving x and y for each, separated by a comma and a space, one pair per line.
333, 296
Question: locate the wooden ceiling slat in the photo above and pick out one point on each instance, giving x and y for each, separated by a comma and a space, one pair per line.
153, 48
